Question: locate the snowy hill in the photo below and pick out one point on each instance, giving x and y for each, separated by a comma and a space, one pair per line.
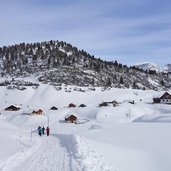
58, 62
146, 66
167, 68
114, 138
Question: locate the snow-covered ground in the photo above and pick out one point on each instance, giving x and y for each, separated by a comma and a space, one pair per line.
128, 137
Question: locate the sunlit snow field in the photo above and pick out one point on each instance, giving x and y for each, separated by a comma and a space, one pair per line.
128, 137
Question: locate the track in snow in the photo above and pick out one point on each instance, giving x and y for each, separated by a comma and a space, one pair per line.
49, 155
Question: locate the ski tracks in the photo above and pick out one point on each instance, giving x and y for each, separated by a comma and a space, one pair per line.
57, 152
48, 157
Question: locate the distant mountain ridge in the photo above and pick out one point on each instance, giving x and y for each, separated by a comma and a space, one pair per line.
58, 62
151, 66
167, 68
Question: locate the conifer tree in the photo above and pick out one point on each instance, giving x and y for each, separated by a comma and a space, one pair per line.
121, 80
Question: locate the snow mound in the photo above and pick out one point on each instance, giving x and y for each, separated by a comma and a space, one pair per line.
95, 127
154, 118
88, 158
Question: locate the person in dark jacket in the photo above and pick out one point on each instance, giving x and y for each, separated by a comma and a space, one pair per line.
39, 131
47, 130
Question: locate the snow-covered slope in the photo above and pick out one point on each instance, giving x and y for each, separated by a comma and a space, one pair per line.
167, 68
57, 62
148, 66
152, 66
119, 138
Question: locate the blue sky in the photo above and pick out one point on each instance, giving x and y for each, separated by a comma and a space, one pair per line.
130, 31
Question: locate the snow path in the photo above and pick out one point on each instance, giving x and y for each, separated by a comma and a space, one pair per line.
50, 156
58, 152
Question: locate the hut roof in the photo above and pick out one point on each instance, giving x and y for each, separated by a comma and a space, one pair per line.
54, 108
40, 111
71, 118
72, 105
103, 104
12, 108
82, 105
166, 95
70, 115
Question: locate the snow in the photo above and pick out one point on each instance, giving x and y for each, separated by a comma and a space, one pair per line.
167, 68
152, 66
155, 83
126, 137
148, 66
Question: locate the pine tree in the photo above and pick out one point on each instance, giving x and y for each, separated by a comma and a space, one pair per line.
134, 85
121, 80
162, 82
109, 83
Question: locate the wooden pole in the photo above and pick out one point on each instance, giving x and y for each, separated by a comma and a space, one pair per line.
31, 135
48, 121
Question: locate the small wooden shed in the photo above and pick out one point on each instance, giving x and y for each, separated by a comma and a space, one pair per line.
114, 103
71, 105
82, 105
12, 108
103, 104
38, 112
165, 98
53, 108
156, 100
71, 118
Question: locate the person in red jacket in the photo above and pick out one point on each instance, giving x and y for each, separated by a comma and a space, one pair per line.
47, 130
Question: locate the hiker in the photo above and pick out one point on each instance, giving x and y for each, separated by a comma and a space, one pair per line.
47, 130
43, 130
39, 131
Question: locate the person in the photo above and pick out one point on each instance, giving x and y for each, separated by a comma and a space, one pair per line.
47, 130
43, 130
39, 131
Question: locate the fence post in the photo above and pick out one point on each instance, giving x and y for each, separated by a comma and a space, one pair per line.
31, 135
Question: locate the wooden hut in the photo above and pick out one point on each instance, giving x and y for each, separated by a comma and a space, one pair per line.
165, 98
12, 108
71, 105
53, 108
156, 100
114, 103
71, 118
82, 105
38, 112
103, 104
